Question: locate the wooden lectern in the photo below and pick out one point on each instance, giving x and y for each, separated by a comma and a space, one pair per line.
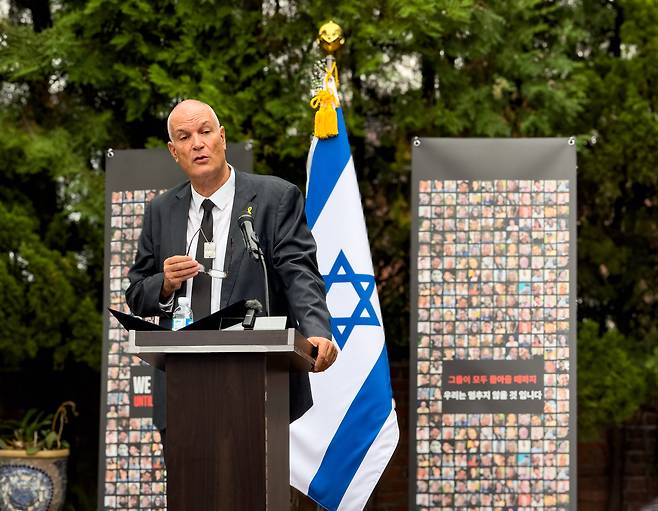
227, 414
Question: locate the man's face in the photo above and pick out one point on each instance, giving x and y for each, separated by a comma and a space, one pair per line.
198, 142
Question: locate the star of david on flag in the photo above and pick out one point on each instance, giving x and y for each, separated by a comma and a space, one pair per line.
341, 446
364, 286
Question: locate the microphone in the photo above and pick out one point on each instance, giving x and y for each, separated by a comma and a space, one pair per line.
249, 236
251, 243
253, 308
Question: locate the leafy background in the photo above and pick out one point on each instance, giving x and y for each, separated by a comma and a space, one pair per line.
79, 76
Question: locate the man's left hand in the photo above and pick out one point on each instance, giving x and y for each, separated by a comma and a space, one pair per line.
327, 353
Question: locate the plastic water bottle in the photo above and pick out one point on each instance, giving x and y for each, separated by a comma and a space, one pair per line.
183, 314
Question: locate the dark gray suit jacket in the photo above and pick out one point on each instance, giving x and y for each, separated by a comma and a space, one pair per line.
296, 287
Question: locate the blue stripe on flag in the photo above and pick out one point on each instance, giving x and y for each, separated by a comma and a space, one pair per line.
356, 433
329, 159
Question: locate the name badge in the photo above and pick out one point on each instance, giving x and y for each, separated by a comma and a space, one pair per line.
209, 250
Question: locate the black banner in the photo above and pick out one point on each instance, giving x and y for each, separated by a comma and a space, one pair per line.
493, 326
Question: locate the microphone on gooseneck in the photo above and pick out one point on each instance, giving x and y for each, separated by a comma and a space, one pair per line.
249, 236
251, 243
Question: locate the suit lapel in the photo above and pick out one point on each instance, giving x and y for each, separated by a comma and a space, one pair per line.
235, 251
178, 225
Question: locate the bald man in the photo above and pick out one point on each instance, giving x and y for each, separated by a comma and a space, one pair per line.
167, 263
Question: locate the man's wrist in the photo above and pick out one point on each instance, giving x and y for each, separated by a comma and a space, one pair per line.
166, 292
167, 305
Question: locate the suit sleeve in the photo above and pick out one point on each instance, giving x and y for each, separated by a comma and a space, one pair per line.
143, 294
294, 259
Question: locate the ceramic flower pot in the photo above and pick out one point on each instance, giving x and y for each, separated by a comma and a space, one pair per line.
34, 482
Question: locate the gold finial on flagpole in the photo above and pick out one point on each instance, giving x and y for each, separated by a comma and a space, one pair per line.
331, 37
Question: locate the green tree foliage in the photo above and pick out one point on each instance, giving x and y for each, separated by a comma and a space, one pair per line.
50, 218
613, 385
618, 178
618, 190
79, 76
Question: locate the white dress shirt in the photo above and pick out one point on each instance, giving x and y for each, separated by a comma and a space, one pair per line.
221, 223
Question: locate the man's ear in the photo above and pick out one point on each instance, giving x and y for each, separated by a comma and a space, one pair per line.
172, 150
222, 134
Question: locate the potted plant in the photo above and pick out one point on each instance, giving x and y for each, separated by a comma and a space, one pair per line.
33, 460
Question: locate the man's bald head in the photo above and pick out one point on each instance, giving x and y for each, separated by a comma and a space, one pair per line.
198, 144
186, 105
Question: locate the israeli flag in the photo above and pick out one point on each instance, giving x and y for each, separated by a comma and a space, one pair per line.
340, 447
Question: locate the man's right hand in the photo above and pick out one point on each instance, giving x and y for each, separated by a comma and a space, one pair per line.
177, 269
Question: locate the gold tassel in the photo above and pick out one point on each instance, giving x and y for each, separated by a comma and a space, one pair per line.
326, 119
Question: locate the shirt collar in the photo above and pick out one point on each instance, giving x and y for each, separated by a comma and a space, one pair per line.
222, 197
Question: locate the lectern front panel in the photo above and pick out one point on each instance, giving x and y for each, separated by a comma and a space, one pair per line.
219, 407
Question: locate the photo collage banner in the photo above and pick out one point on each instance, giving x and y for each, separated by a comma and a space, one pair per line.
493, 325
131, 473
134, 475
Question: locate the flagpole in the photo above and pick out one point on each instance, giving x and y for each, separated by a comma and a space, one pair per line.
329, 61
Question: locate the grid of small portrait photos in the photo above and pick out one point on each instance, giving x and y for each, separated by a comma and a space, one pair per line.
493, 284
134, 474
